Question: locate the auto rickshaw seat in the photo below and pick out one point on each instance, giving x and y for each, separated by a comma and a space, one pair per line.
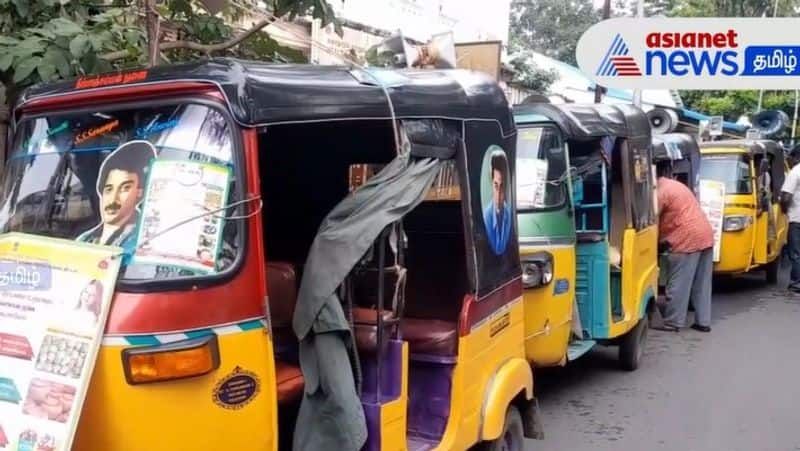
282, 292
424, 336
290, 382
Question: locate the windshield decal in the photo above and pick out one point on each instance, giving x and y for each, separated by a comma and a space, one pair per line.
120, 187
156, 127
178, 191
28, 146
108, 80
96, 131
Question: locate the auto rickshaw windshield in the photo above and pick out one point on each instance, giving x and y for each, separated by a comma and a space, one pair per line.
541, 164
85, 176
731, 169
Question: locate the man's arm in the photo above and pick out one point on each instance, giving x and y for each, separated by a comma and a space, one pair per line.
787, 190
786, 200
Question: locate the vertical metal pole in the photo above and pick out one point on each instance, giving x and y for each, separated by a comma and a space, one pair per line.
637, 93
598, 96
761, 91
794, 119
380, 351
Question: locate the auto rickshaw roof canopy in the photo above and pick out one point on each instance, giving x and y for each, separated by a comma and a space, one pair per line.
684, 142
264, 93
752, 146
590, 121
756, 148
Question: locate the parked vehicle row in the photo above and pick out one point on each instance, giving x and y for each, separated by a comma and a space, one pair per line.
399, 250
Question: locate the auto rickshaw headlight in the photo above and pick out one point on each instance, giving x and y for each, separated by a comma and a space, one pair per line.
735, 223
178, 360
537, 269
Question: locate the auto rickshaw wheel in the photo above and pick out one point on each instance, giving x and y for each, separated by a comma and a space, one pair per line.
772, 269
631, 347
513, 436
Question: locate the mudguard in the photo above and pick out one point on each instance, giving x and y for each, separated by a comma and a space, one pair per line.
512, 379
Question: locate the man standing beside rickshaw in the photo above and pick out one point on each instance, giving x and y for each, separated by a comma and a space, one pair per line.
685, 230
790, 204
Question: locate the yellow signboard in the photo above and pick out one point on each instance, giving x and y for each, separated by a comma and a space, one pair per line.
54, 301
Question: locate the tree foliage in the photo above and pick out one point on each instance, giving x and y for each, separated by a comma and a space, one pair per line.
551, 27
45, 40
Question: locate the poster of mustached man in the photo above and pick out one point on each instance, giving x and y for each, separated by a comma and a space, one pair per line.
120, 188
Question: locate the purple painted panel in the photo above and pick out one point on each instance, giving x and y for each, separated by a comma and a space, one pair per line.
372, 412
391, 377
420, 444
391, 374
429, 399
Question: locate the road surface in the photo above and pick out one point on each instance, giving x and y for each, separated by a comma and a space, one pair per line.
735, 389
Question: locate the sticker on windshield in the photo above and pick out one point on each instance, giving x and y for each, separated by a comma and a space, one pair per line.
156, 127
531, 182
95, 132
181, 224
120, 187
33, 145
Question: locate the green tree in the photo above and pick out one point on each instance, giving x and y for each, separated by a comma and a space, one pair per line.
728, 8
45, 40
528, 75
551, 27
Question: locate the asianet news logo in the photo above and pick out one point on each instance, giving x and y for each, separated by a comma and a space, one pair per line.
692, 53
677, 54
681, 54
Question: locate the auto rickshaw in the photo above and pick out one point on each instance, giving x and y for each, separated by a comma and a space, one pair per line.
366, 285
754, 229
588, 229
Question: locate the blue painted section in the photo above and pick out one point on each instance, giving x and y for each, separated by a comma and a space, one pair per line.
530, 118
616, 295
578, 348
199, 333
592, 289
251, 325
648, 296
143, 340
694, 115
561, 286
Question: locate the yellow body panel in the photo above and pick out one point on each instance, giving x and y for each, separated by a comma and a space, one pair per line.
394, 414
481, 356
744, 250
514, 373
181, 415
639, 277
548, 316
737, 249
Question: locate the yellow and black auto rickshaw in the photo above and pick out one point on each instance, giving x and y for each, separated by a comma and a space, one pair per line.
754, 229
376, 298
588, 229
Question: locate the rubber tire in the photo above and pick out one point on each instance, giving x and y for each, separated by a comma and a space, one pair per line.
631, 347
771, 270
513, 436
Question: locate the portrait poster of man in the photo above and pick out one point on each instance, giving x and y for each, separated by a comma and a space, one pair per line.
120, 188
491, 162
497, 212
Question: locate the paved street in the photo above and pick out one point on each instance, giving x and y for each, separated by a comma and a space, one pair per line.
735, 389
